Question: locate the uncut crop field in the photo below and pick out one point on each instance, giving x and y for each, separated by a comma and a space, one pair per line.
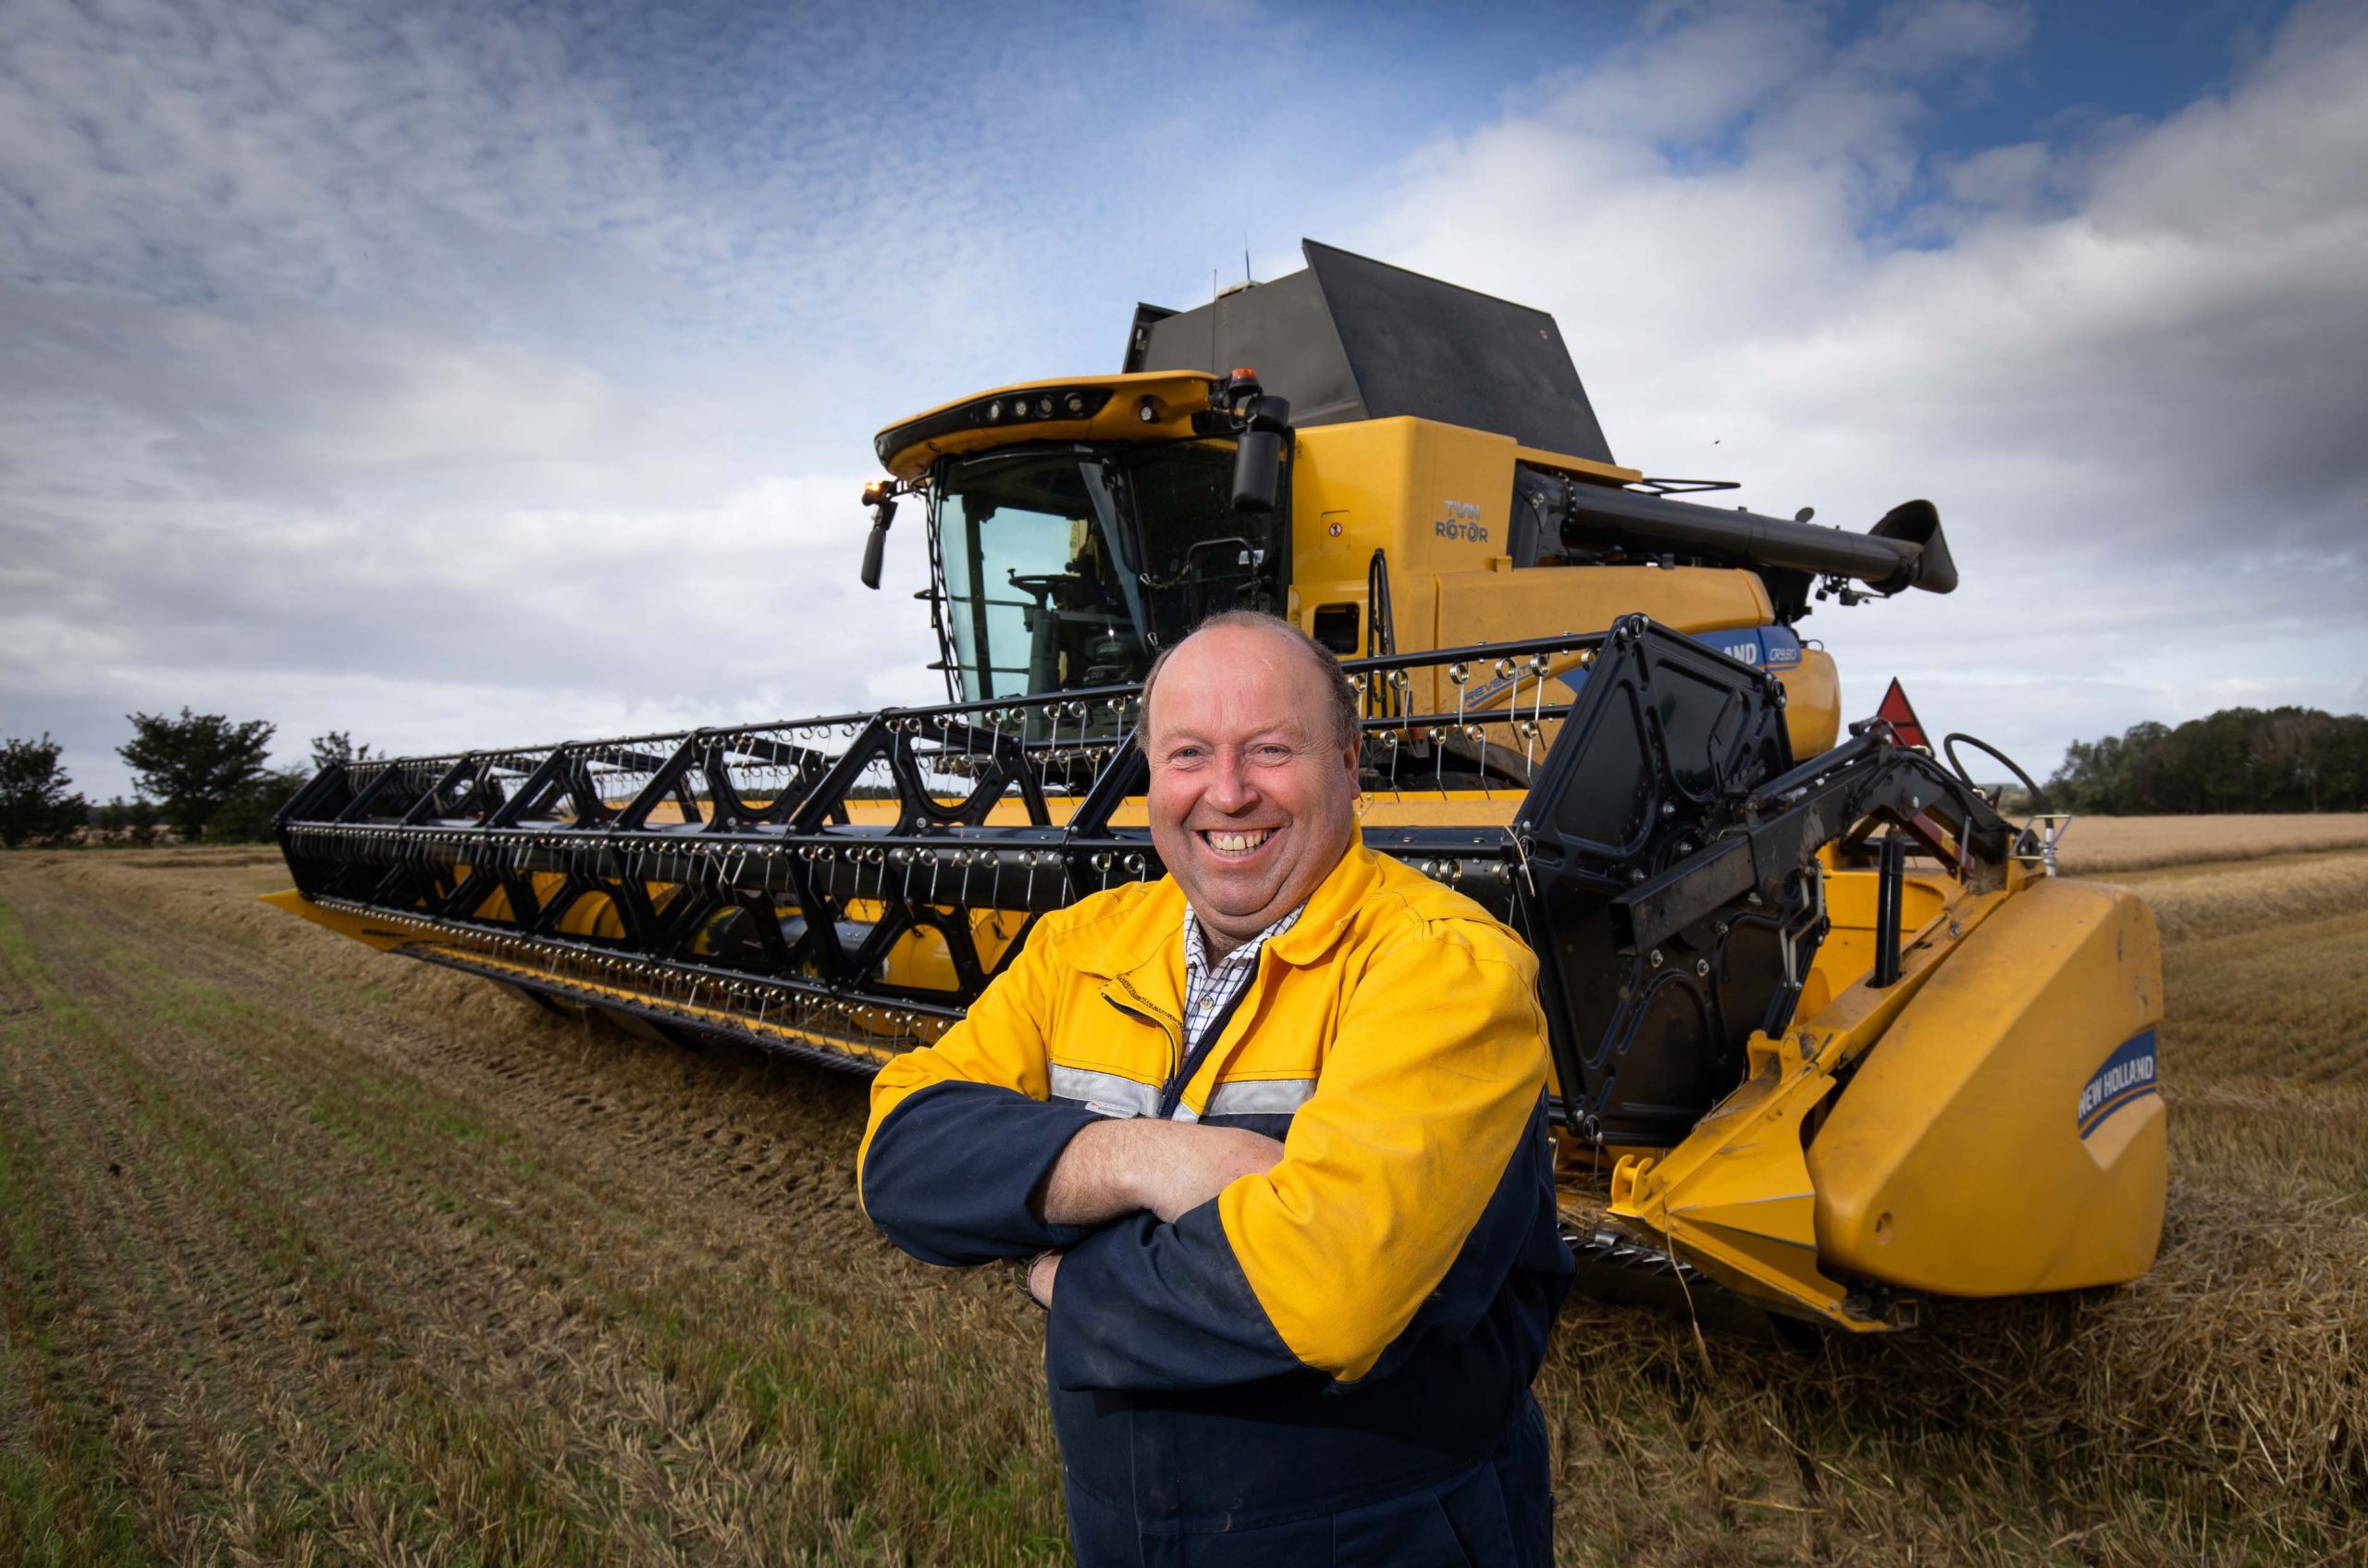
2105, 845
315, 1256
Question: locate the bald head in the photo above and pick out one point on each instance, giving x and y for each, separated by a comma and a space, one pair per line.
1331, 698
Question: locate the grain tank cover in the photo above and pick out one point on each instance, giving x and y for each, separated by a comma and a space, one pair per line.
1351, 337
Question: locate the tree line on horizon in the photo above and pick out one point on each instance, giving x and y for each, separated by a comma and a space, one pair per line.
202, 776
2239, 760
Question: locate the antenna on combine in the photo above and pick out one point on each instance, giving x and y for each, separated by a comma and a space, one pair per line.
1245, 260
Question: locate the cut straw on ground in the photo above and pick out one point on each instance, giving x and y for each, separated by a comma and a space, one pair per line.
315, 1256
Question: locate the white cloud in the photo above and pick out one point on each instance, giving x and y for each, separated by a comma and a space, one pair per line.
448, 375
2129, 375
467, 633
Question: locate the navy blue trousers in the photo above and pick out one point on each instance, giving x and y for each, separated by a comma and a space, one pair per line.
1499, 1513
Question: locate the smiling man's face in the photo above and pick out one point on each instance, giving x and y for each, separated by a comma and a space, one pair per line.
1252, 803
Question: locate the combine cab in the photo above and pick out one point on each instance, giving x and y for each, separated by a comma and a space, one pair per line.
1826, 1032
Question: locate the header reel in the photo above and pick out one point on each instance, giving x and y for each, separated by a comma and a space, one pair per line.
844, 886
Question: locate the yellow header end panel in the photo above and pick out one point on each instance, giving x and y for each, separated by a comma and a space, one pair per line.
360, 927
1848, 950
1812, 703
2003, 1136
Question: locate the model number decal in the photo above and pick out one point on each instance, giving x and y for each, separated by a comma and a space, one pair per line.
1462, 522
1769, 648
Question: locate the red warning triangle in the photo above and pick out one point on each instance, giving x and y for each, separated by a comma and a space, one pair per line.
1895, 710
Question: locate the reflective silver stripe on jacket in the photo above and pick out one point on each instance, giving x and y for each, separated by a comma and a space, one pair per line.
1271, 1096
1105, 1091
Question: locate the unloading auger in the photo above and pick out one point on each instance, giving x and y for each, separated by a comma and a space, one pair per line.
1834, 1031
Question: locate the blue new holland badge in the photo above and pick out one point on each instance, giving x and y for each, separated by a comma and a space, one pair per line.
2127, 1076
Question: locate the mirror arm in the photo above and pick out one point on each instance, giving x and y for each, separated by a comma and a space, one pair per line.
1263, 425
881, 496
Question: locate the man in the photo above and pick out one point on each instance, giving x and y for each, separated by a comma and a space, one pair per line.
1273, 1127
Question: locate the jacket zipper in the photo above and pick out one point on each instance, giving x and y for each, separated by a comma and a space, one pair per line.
1157, 1019
1174, 1091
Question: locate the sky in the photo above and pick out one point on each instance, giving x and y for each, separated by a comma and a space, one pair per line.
469, 374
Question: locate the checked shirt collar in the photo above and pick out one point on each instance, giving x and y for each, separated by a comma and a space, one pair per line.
1209, 988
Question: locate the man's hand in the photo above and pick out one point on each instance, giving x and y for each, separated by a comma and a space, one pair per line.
1041, 1274
1170, 1168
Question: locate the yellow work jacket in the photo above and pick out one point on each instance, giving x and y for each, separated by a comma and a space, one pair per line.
1379, 1299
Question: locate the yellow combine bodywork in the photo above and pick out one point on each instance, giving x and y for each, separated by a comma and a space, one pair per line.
1170, 397
1981, 1122
1430, 499
1960, 1162
1964, 1159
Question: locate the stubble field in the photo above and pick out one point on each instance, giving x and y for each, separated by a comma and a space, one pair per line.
315, 1256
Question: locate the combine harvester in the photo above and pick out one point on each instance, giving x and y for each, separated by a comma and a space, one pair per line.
1826, 1030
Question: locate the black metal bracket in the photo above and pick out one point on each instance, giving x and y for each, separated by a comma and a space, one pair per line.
1672, 884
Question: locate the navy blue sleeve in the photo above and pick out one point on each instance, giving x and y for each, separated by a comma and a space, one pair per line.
1140, 1304
951, 1170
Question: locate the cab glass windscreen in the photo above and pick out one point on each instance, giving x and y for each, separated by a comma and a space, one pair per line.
1036, 598
1200, 557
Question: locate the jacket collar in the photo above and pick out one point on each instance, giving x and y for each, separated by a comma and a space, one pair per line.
1330, 907
1149, 936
